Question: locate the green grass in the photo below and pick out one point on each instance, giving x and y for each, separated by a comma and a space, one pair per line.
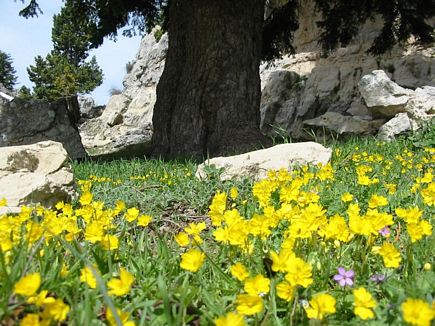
163, 293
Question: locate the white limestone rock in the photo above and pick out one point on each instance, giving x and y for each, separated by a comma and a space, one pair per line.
256, 164
394, 127
125, 127
34, 174
383, 96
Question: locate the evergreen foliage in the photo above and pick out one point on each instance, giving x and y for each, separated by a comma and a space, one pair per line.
7, 71
340, 23
65, 71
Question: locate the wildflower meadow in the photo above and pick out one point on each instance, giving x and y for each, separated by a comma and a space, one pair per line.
147, 243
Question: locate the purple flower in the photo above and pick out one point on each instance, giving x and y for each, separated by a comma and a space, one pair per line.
385, 231
344, 277
378, 278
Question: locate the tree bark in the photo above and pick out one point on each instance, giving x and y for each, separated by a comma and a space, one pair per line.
208, 96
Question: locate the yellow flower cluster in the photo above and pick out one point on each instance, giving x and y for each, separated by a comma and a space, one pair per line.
292, 213
90, 223
52, 309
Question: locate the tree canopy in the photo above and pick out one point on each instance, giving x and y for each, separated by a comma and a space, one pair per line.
7, 71
208, 96
65, 71
340, 23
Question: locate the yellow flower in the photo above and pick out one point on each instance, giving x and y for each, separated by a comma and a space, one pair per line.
363, 303
299, 272
390, 255
249, 304
239, 271
3, 202
64, 271
28, 285
182, 239
428, 194
418, 230
377, 201
392, 188
122, 285
279, 262
119, 206
85, 198
56, 310
195, 228
230, 319
217, 208
346, 197
144, 220
285, 291
86, 276
257, 285
336, 229
320, 305
94, 232
192, 260
363, 180
234, 193
409, 215
131, 214
124, 316
110, 242
427, 266
30, 320
417, 312
40, 299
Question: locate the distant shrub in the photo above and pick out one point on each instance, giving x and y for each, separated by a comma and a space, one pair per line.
158, 34
115, 91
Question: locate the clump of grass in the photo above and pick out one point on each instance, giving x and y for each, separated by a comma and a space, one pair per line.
148, 243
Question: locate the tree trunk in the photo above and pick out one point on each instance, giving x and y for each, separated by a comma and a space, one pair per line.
208, 96
73, 109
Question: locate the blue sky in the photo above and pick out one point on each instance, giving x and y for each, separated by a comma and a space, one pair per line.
24, 39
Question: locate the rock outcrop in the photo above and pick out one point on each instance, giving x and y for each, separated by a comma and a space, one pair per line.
321, 84
345, 125
295, 88
32, 174
408, 109
256, 164
395, 126
25, 122
125, 126
402, 109
88, 109
382, 96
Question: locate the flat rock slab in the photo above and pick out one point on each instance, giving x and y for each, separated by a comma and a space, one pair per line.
256, 164
34, 174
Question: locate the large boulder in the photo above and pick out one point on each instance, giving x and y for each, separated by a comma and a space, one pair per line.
408, 109
421, 106
125, 127
383, 96
25, 122
395, 126
256, 164
34, 174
